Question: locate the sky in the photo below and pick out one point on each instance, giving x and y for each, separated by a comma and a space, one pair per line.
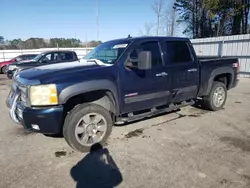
74, 18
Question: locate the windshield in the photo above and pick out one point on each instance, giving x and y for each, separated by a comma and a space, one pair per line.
108, 52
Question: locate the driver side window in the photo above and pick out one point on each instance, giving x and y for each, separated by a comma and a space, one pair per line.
153, 47
46, 59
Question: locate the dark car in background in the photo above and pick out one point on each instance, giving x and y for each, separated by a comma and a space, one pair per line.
4, 64
45, 58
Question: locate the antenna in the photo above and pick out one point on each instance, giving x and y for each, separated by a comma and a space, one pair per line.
97, 20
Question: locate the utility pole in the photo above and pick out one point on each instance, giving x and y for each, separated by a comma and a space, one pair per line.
86, 45
97, 20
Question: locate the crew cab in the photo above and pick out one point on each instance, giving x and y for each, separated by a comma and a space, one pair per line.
124, 80
45, 58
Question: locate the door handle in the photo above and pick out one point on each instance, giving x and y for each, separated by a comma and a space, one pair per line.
161, 74
192, 70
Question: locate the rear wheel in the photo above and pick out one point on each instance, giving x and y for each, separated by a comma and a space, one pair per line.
217, 97
86, 125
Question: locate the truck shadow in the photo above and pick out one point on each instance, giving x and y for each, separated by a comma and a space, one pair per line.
96, 170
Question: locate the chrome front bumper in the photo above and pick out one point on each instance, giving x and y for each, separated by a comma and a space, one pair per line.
11, 102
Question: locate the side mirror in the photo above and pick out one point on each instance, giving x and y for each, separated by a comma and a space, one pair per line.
143, 62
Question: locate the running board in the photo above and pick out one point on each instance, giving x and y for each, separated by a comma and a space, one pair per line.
153, 112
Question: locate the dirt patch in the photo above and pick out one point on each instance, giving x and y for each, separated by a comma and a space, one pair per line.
134, 133
145, 136
23, 132
224, 181
4, 78
237, 102
248, 119
242, 143
60, 154
194, 115
246, 177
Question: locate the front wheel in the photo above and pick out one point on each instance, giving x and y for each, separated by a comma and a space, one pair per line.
217, 97
86, 125
3, 70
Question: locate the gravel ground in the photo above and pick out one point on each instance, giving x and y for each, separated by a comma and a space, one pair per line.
190, 148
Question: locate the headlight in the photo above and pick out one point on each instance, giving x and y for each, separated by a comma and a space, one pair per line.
42, 95
12, 67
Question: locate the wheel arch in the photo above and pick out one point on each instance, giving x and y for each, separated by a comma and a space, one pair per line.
223, 74
101, 92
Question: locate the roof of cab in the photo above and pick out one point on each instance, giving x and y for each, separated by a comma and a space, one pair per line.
51, 51
150, 38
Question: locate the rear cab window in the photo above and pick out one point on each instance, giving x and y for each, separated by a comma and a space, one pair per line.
178, 52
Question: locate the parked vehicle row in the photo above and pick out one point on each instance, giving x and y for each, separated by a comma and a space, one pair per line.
24, 57
119, 81
45, 58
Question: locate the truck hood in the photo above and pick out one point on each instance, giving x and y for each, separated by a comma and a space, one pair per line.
37, 73
25, 61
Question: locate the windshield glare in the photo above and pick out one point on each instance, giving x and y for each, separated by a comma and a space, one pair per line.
107, 52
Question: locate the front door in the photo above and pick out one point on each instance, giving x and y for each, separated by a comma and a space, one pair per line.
144, 89
49, 58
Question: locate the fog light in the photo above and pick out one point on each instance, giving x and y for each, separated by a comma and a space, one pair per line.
34, 126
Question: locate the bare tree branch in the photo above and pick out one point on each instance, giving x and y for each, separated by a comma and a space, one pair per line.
158, 9
169, 22
148, 26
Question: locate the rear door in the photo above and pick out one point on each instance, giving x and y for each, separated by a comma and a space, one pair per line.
67, 57
144, 89
183, 69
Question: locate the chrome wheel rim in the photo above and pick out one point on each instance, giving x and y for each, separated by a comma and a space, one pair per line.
219, 97
90, 129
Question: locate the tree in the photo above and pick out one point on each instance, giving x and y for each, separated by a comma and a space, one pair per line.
208, 18
35, 43
94, 43
169, 22
158, 8
148, 26
1, 40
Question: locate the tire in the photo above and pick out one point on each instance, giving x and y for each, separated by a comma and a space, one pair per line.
3, 70
209, 101
84, 118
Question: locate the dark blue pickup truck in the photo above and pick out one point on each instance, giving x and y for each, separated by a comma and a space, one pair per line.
119, 81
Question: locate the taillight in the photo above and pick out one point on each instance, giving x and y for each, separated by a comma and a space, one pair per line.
236, 66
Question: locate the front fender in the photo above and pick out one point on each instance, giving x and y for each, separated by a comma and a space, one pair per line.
88, 86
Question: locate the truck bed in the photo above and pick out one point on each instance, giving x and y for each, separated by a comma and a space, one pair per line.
210, 64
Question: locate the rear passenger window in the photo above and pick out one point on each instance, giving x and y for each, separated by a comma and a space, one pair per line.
66, 56
153, 47
178, 52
